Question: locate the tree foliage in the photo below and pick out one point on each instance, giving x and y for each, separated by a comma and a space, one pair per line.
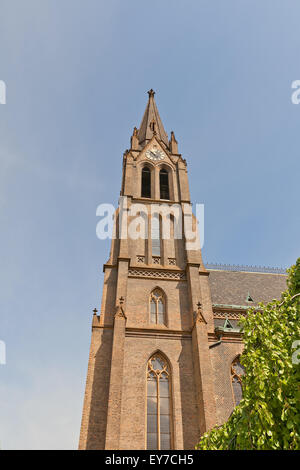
268, 417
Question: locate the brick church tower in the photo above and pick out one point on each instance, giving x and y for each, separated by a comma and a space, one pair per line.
163, 365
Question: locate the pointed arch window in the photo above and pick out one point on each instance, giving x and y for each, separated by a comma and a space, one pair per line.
237, 372
157, 307
158, 404
146, 182
164, 184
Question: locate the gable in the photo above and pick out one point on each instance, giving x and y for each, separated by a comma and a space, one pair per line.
155, 146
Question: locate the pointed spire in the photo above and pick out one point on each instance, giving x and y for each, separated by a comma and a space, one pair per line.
151, 123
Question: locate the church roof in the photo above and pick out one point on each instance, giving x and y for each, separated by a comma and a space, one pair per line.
237, 288
151, 123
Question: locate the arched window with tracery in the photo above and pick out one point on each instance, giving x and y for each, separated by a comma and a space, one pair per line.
158, 404
157, 307
146, 182
237, 371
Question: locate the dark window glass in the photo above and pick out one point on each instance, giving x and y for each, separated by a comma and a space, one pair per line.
146, 182
164, 184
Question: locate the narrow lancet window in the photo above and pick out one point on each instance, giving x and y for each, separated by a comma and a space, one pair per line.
146, 182
164, 184
157, 307
158, 404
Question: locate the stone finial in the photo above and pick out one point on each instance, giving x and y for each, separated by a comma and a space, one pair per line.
134, 141
120, 310
173, 144
173, 137
199, 318
151, 93
96, 318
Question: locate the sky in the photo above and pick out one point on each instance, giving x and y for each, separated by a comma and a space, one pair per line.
76, 75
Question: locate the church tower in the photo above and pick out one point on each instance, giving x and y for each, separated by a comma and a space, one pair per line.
150, 381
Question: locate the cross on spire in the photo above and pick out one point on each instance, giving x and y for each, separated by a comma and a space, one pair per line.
151, 93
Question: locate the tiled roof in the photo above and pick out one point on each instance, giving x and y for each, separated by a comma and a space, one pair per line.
233, 288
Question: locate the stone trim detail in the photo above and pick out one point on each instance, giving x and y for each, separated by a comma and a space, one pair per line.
220, 314
120, 310
147, 273
158, 333
199, 318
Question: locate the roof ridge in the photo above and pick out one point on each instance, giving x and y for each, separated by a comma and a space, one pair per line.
246, 268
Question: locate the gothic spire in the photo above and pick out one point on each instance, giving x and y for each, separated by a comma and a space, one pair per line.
151, 123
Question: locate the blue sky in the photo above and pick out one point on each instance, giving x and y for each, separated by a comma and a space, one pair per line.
77, 75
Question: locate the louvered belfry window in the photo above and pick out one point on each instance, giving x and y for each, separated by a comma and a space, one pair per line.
164, 184
146, 182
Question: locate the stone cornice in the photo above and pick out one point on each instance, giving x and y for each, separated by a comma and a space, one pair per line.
150, 331
148, 267
227, 337
160, 333
144, 200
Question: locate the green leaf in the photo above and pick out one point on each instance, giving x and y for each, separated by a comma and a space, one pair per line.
268, 417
